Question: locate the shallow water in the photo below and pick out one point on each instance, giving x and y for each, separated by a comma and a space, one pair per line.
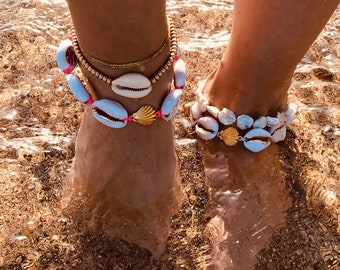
39, 119
249, 201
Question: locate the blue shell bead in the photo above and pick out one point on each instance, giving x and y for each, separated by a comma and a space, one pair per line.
110, 113
77, 88
180, 73
65, 61
257, 139
169, 106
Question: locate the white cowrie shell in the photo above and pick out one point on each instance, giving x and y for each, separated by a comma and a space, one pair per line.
61, 59
279, 134
226, 117
109, 113
202, 100
256, 140
170, 104
203, 104
77, 88
244, 121
131, 85
171, 115
195, 111
213, 110
292, 109
179, 73
206, 128
260, 122
272, 121
282, 117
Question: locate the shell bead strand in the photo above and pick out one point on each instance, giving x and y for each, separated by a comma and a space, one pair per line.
259, 133
77, 88
112, 113
65, 56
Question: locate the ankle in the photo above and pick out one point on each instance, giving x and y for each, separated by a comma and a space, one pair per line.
224, 89
103, 89
252, 118
133, 88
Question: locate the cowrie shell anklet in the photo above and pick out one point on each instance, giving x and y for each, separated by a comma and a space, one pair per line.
258, 134
132, 85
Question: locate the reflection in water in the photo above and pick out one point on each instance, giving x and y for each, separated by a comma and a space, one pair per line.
249, 200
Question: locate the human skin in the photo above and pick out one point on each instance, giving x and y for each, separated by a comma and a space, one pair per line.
130, 174
268, 39
249, 197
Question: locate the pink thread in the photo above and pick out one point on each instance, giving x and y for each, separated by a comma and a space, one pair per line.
128, 119
177, 57
70, 38
90, 101
159, 114
68, 70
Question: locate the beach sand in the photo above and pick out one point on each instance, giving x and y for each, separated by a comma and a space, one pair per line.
39, 119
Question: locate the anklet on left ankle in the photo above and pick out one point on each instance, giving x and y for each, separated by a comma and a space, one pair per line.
131, 85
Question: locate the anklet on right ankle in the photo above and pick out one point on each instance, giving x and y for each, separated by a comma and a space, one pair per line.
256, 135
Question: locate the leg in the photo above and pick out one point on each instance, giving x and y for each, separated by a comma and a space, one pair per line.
265, 46
129, 174
248, 193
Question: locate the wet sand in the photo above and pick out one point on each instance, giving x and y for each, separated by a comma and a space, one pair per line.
39, 119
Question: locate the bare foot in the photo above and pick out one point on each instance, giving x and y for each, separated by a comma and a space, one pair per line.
248, 194
248, 203
129, 175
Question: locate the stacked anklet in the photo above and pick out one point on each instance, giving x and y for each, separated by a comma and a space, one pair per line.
127, 65
132, 85
107, 79
256, 135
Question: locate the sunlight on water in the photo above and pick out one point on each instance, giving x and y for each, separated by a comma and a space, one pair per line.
243, 215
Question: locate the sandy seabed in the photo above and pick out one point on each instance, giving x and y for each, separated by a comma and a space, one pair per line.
39, 119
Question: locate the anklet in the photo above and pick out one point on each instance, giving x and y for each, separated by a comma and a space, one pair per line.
258, 134
127, 65
112, 113
132, 85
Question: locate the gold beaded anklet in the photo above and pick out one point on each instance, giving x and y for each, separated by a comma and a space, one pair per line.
173, 51
127, 65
